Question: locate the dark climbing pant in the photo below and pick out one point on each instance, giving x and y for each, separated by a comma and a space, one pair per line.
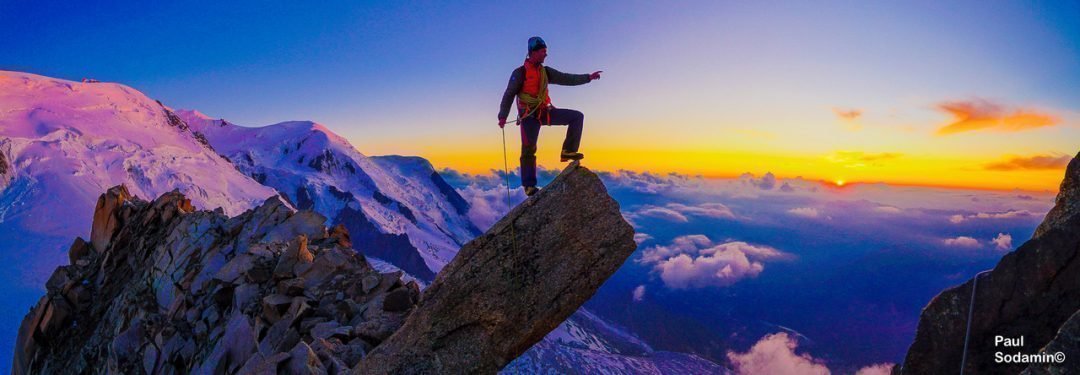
530, 131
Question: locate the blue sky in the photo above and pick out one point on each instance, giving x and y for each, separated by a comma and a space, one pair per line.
729, 82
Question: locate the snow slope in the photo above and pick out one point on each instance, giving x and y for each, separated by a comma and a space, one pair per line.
63, 143
586, 344
396, 208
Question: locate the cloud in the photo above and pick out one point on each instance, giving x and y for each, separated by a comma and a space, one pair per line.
767, 182
962, 241
663, 213
639, 293
647, 182
980, 114
878, 369
888, 209
1037, 162
1011, 214
694, 261
775, 354
859, 159
1003, 241
850, 117
847, 114
809, 212
488, 205
641, 238
677, 212
849, 156
713, 210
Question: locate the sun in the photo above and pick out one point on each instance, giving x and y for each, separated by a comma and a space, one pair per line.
839, 182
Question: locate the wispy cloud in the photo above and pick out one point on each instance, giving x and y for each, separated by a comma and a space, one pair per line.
850, 117
980, 114
847, 114
1010, 214
1035, 162
663, 213
858, 159
809, 212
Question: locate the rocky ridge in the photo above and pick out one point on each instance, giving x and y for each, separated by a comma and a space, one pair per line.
161, 287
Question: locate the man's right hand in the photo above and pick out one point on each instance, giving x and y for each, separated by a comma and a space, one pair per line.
502, 122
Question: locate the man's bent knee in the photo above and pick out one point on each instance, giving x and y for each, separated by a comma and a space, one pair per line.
528, 150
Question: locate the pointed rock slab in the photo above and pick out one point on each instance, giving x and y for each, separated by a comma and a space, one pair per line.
507, 289
107, 216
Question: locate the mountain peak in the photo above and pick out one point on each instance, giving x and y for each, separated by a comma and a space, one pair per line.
1033, 292
1067, 203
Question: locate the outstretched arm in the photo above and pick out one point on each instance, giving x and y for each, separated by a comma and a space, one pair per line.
560, 78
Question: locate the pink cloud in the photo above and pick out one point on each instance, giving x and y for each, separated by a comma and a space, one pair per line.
878, 369
847, 114
694, 261
775, 354
962, 241
1003, 241
809, 212
980, 114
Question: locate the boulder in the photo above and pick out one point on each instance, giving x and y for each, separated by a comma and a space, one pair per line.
501, 293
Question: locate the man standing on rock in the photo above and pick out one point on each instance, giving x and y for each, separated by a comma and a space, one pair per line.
529, 84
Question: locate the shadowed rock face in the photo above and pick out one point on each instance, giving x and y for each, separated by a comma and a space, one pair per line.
508, 288
163, 288
1032, 292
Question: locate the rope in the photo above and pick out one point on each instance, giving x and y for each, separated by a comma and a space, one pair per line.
506, 172
971, 309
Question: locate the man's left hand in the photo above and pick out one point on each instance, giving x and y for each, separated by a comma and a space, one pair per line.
595, 75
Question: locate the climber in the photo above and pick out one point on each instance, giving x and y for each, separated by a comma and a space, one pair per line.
529, 84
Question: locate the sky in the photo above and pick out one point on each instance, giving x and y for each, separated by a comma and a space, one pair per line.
967, 94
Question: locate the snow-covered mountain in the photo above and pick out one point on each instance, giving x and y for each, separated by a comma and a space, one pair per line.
62, 144
396, 208
587, 344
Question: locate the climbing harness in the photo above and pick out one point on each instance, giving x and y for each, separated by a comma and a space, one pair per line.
971, 309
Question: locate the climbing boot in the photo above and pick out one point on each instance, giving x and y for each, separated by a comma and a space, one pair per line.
567, 156
530, 190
